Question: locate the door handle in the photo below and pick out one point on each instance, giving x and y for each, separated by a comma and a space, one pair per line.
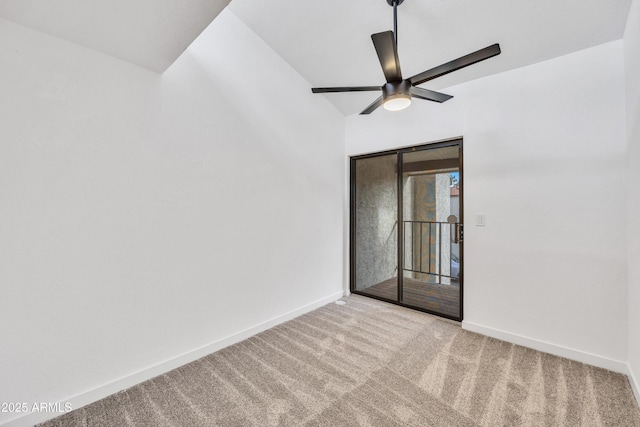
458, 235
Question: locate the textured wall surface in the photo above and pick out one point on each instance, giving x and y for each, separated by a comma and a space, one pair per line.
376, 220
429, 201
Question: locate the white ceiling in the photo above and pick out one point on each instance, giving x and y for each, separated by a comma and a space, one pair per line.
328, 42
150, 33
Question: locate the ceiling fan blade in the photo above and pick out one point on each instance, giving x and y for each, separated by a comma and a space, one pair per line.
456, 64
375, 104
344, 89
429, 95
385, 44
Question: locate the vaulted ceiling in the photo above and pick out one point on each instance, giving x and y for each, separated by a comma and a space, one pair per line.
328, 42
149, 33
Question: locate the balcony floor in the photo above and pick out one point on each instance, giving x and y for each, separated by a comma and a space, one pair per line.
434, 297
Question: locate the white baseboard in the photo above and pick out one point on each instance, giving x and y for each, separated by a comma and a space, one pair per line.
108, 389
635, 385
557, 350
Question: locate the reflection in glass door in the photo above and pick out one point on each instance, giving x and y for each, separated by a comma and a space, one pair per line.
406, 211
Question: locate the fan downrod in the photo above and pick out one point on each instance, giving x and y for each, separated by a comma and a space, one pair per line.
398, 2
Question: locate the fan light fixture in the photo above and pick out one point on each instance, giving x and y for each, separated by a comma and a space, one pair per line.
397, 103
396, 95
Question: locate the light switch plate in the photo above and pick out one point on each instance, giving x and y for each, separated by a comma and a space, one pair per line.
479, 220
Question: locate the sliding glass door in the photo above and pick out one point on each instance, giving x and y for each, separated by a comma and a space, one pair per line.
406, 227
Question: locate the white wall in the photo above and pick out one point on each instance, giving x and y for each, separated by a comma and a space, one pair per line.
544, 159
632, 69
144, 216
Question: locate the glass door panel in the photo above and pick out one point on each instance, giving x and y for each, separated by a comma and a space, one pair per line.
375, 228
430, 213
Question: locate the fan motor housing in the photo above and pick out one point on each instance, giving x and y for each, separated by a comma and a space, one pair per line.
393, 89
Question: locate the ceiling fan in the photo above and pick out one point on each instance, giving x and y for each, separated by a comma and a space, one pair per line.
397, 92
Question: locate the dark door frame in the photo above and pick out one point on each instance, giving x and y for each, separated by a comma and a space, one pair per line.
352, 220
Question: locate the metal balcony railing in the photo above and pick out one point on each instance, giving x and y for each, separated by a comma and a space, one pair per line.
415, 233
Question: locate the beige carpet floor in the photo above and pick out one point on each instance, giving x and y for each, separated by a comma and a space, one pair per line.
369, 363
